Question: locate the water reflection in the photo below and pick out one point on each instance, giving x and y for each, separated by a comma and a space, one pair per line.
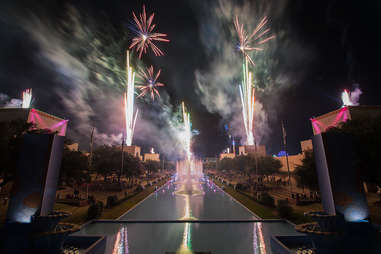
121, 242
187, 213
194, 198
186, 245
189, 173
259, 246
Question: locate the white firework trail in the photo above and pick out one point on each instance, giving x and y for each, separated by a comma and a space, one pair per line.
129, 101
247, 93
187, 132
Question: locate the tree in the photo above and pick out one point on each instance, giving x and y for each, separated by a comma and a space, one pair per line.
267, 165
241, 163
225, 164
169, 165
246, 163
73, 164
106, 160
306, 173
152, 166
132, 166
209, 165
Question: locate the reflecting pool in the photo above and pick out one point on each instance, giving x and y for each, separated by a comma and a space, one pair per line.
156, 225
173, 202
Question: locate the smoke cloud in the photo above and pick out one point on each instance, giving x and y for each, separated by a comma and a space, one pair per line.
76, 69
7, 102
355, 96
218, 84
87, 78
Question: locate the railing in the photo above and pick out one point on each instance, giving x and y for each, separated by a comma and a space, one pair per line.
191, 221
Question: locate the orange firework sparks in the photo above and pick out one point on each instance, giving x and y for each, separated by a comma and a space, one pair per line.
253, 41
145, 37
148, 82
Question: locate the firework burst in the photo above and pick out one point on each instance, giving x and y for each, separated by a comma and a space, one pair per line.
248, 43
26, 98
148, 82
254, 41
145, 35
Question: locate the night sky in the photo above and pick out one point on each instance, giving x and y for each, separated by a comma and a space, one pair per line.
322, 47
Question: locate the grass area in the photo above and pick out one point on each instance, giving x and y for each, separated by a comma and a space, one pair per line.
79, 214
266, 212
118, 210
298, 217
262, 211
299, 210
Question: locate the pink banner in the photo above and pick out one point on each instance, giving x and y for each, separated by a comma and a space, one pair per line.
43, 120
333, 119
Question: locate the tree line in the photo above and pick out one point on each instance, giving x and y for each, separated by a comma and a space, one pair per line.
75, 165
264, 165
107, 162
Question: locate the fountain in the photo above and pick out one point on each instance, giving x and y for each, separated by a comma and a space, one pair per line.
188, 175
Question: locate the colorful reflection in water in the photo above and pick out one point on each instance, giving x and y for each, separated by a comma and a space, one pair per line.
188, 179
186, 245
259, 246
188, 213
121, 242
190, 193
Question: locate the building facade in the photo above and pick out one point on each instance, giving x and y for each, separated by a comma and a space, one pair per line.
295, 159
72, 147
259, 150
133, 151
306, 145
227, 155
151, 157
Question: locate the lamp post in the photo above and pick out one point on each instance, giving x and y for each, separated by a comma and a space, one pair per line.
284, 134
121, 168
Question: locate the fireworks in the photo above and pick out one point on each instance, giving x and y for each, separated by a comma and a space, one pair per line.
248, 43
26, 98
247, 93
145, 37
346, 98
351, 98
255, 40
187, 132
148, 81
129, 103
